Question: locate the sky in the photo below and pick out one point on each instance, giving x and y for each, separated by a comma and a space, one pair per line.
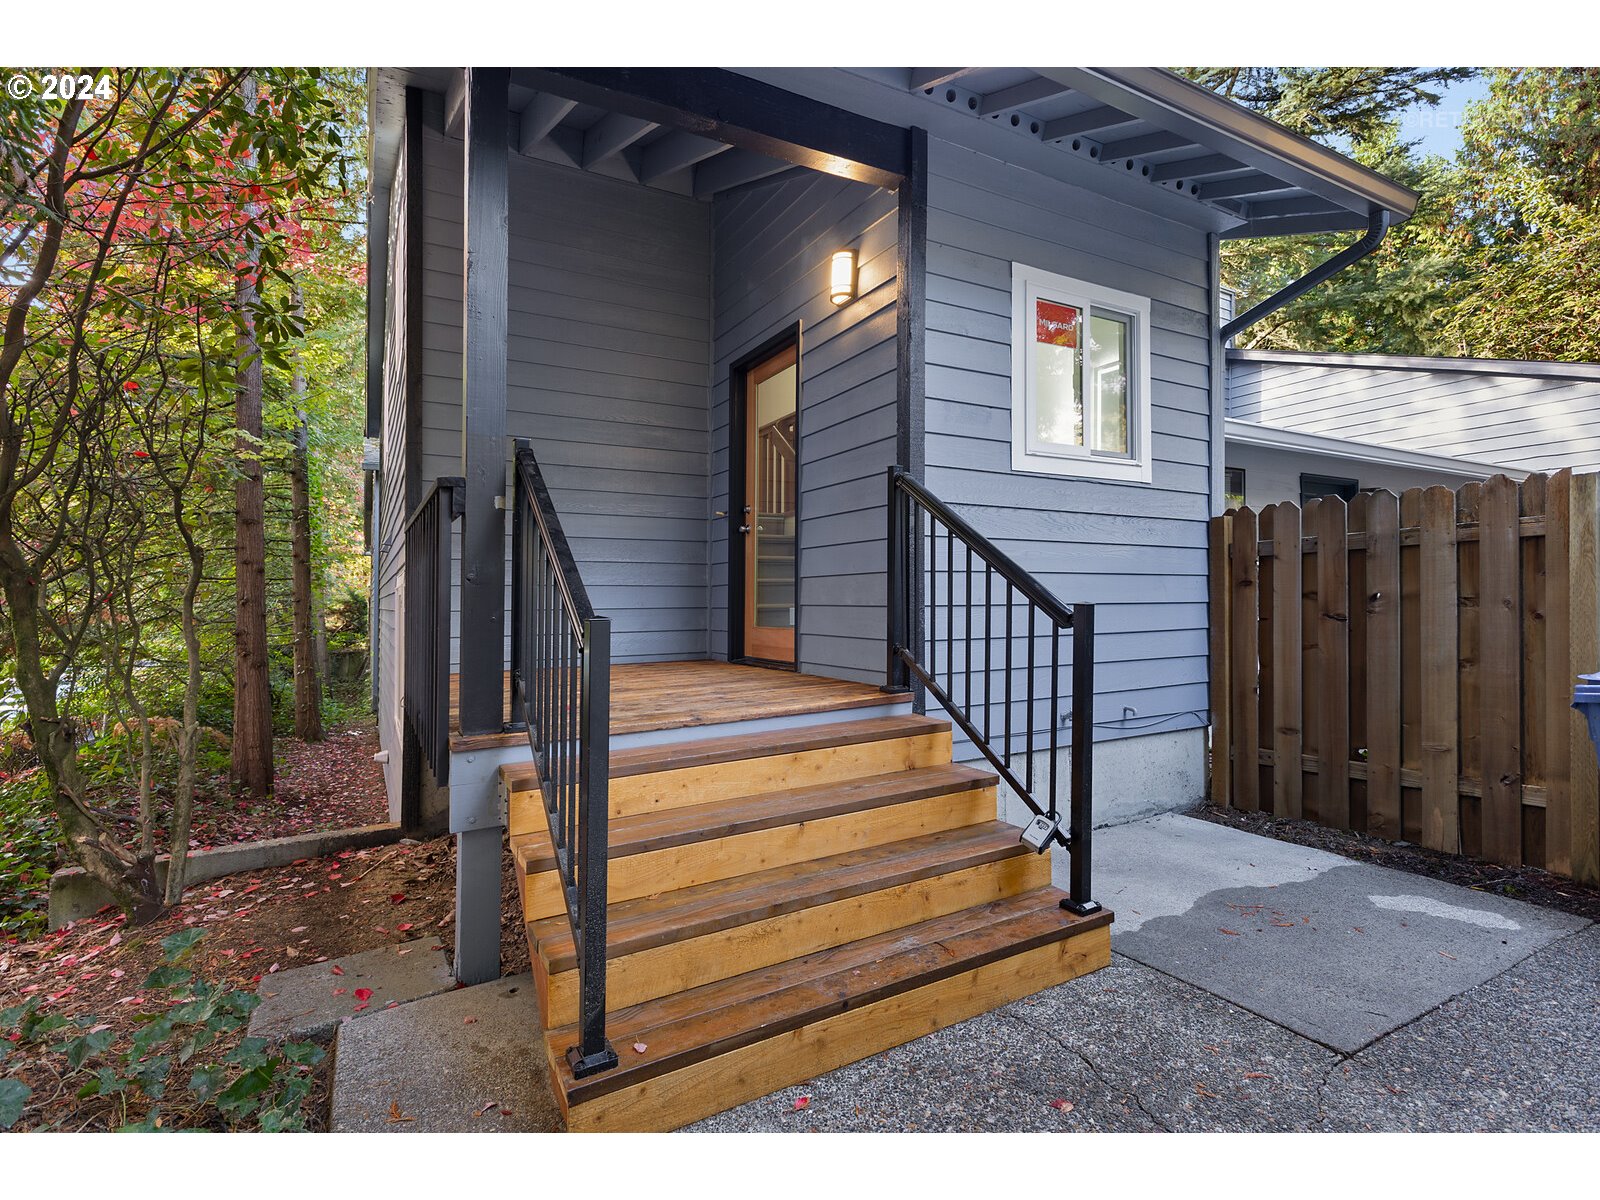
1438, 129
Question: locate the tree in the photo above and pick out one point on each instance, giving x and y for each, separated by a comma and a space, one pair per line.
252, 686
1358, 104
121, 226
307, 691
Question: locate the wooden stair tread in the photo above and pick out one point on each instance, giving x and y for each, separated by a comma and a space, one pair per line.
688, 1027
666, 828
651, 921
674, 756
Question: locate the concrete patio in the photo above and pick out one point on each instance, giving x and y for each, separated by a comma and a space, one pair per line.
1254, 985
1257, 985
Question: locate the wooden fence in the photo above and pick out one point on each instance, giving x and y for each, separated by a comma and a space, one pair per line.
1404, 667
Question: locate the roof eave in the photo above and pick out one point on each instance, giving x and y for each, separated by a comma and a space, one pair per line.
1160, 96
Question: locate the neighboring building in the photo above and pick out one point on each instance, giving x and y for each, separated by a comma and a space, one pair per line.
1301, 425
722, 307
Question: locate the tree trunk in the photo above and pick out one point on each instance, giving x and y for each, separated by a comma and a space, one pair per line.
130, 883
252, 687
189, 740
307, 692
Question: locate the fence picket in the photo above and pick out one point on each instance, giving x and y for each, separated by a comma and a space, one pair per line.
1221, 624
1438, 667
1333, 664
1500, 672
1312, 697
1382, 700
1242, 681
1583, 540
1411, 640
1285, 652
1469, 651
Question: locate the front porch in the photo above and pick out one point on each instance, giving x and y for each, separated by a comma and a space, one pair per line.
652, 702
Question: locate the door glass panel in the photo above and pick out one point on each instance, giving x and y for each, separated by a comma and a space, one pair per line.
776, 499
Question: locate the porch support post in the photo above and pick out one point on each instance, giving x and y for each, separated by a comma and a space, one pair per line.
483, 403
483, 462
911, 429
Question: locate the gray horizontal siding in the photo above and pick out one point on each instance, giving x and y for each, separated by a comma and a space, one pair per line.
773, 246
1137, 552
1528, 422
608, 359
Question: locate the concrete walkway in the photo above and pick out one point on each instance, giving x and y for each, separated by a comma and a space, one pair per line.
1257, 985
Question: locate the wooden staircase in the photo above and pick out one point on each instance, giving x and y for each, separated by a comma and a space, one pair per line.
783, 903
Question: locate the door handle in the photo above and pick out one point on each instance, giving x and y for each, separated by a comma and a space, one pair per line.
744, 529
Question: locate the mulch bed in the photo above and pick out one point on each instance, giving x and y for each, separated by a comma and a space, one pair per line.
331, 784
257, 923
1519, 883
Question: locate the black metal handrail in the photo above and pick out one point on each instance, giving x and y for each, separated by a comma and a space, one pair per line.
561, 688
1031, 625
426, 703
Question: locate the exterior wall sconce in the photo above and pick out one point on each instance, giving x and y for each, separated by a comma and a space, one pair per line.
842, 279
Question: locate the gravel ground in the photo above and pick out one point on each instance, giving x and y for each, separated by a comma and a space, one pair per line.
1129, 1049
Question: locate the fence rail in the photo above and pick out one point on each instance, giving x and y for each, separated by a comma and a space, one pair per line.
1403, 666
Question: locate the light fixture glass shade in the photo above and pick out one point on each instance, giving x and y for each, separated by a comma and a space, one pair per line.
842, 283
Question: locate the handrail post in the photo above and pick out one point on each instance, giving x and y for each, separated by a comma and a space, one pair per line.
519, 585
1080, 878
896, 678
593, 1052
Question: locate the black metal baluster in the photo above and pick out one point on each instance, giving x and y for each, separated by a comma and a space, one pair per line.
966, 608
1005, 692
988, 644
1055, 719
1029, 635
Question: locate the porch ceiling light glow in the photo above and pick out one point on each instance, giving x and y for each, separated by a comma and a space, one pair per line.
842, 282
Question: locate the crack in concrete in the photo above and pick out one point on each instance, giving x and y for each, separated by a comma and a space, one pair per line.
1093, 1067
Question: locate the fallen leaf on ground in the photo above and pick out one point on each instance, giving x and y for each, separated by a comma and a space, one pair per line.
397, 898
336, 969
802, 1102
1256, 1075
363, 993
1200, 1090
1229, 932
1448, 955
1065, 1106
340, 991
486, 1108
395, 1115
640, 1047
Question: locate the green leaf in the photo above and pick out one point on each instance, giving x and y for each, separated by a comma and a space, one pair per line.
13, 1097
306, 1054
168, 977
177, 946
206, 1082
243, 1095
87, 1046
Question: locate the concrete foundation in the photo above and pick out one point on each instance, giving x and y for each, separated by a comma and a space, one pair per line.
313, 1001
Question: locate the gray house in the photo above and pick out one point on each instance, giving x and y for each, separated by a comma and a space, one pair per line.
1301, 425
792, 482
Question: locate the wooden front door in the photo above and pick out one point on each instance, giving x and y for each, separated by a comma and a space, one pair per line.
771, 525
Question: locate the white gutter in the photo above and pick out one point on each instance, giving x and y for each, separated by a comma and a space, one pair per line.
1248, 433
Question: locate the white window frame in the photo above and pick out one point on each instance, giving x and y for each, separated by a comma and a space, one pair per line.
1032, 284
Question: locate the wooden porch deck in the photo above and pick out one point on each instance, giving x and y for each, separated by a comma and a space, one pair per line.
684, 695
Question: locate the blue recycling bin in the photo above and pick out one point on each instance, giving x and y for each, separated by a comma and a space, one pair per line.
1586, 699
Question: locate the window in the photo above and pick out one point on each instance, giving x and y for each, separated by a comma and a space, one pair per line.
1313, 487
1233, 487
1080, 371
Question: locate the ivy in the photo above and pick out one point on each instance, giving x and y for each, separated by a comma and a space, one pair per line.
258, 1084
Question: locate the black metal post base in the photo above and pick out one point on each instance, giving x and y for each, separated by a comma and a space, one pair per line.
605, 1060
1082, 908
895, 689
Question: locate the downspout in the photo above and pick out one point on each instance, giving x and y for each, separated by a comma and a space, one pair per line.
1377, 225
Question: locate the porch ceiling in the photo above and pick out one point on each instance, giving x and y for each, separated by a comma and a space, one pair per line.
565, 118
